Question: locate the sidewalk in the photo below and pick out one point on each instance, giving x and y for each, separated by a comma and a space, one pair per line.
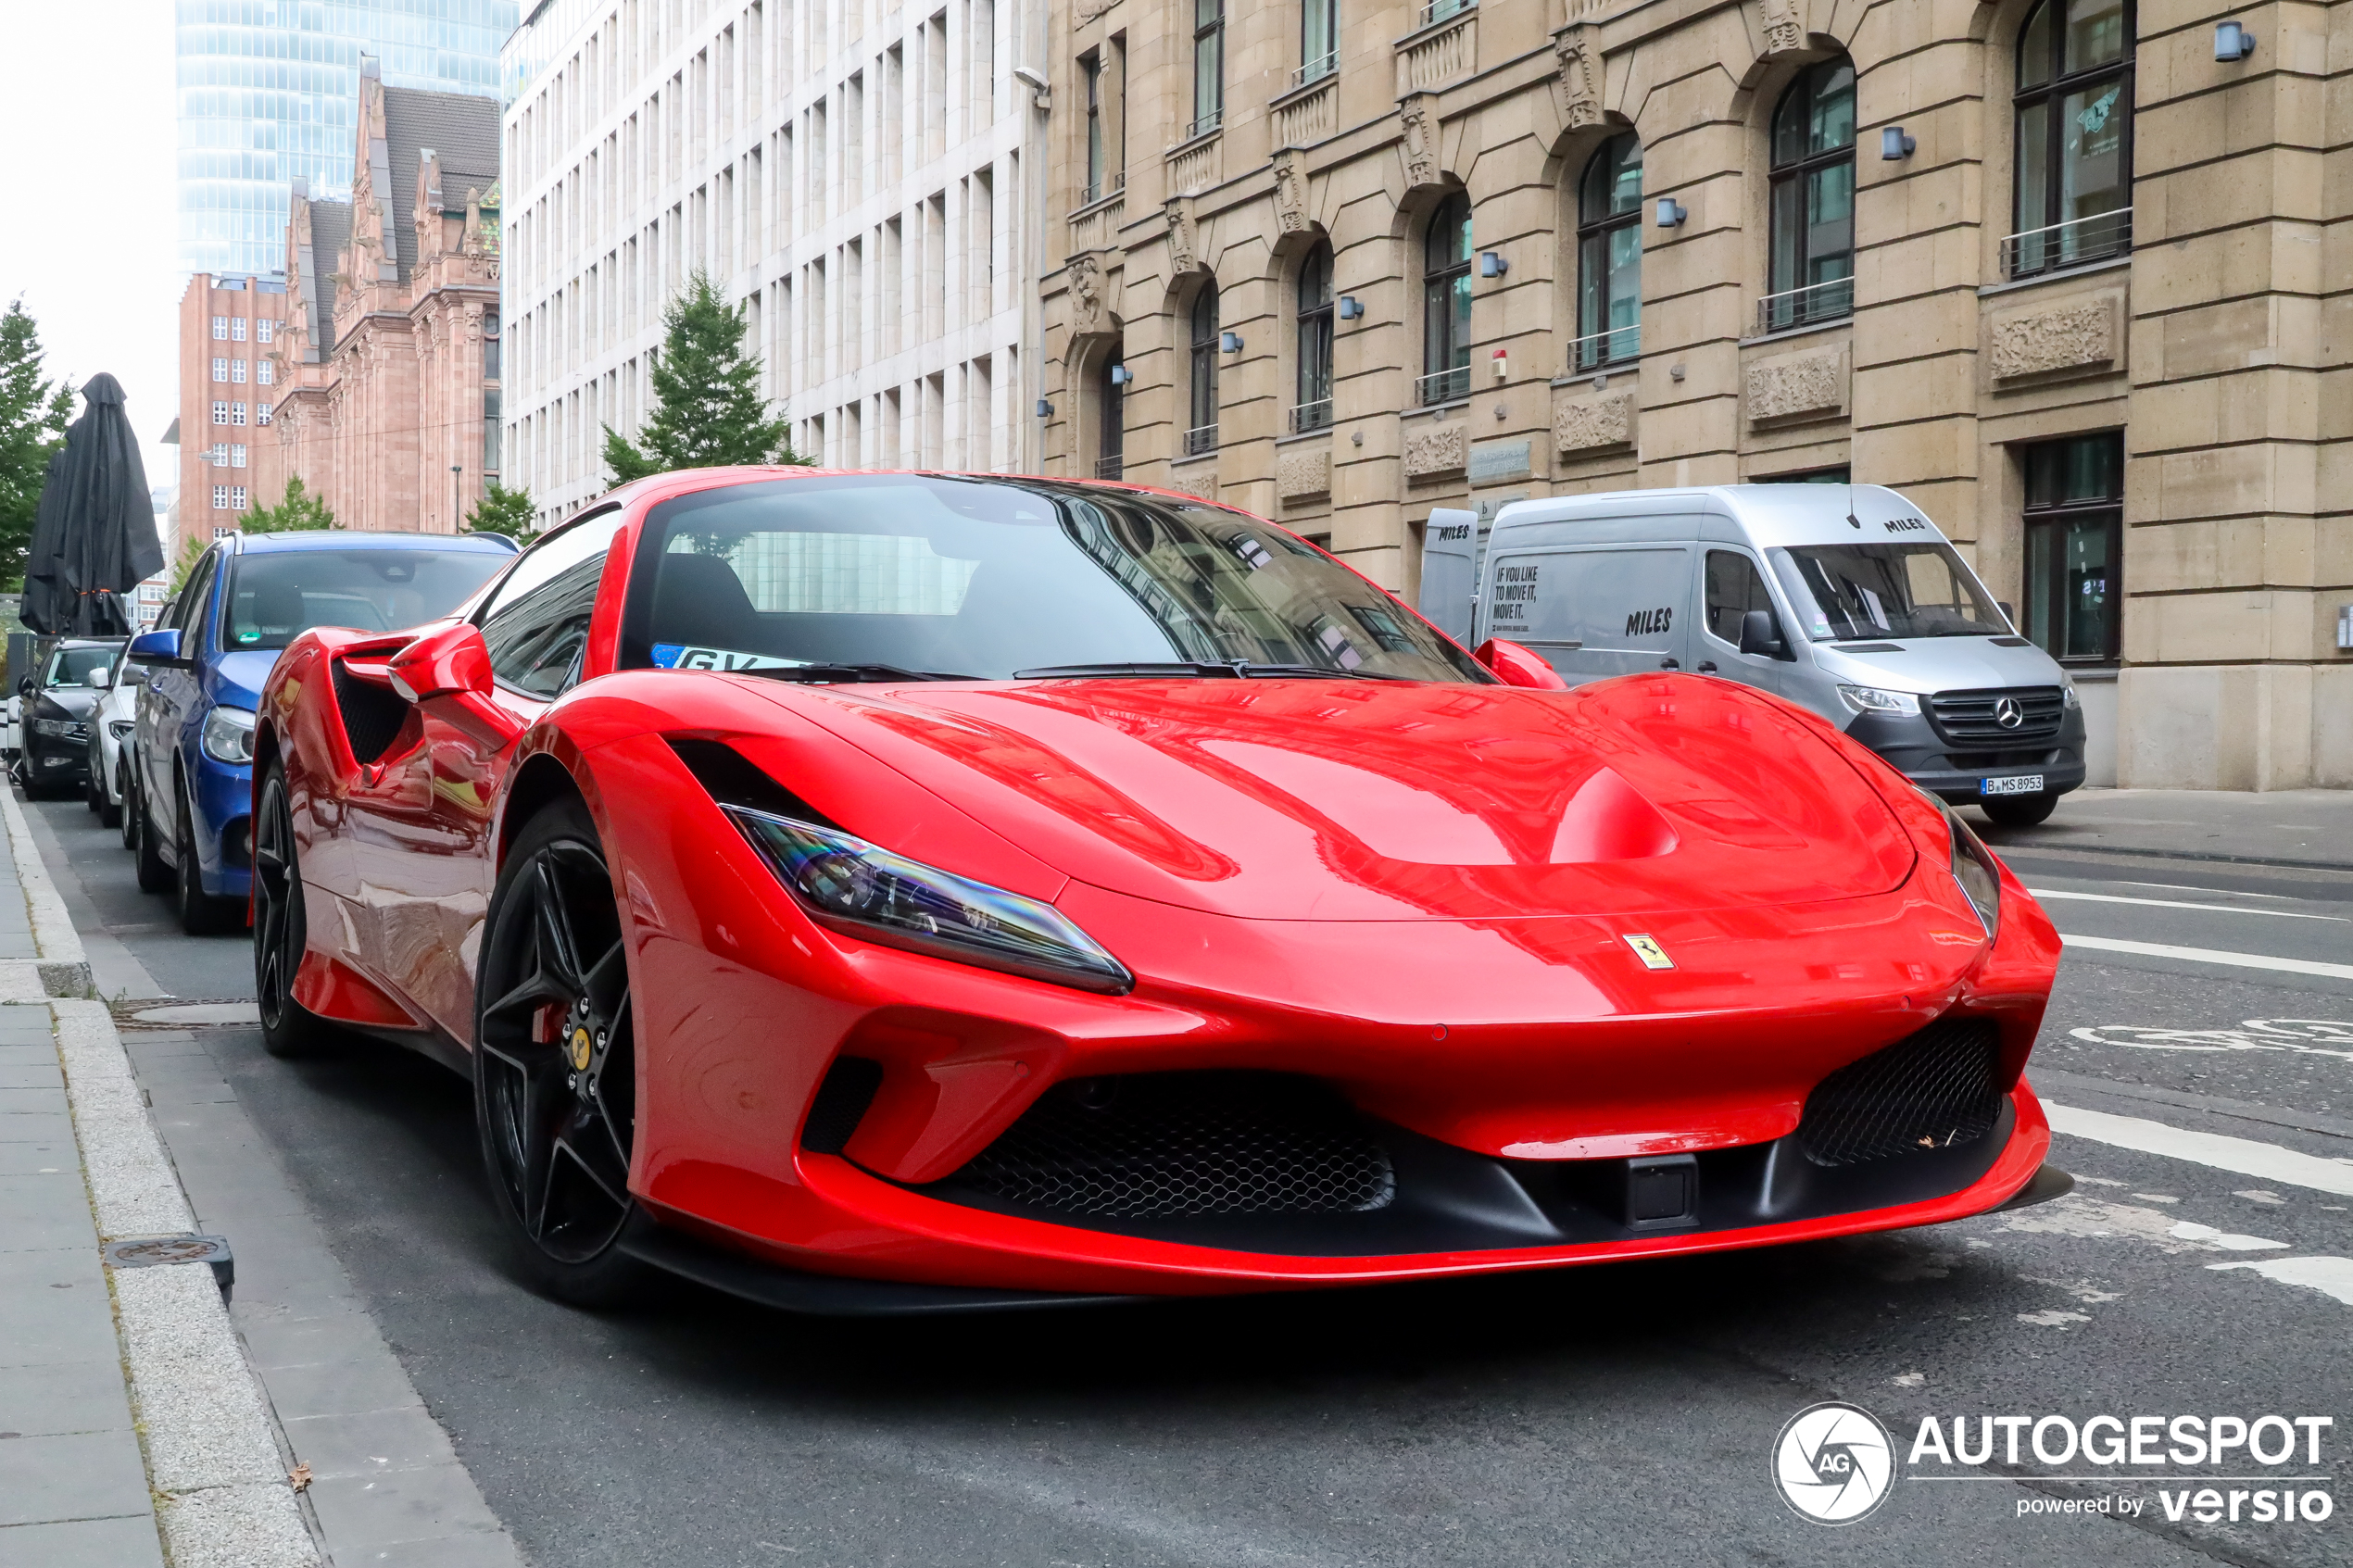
2309, 828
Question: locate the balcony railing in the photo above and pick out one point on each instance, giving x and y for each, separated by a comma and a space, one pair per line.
1594, 350
1438, 10
1305, 417
1111, 185
1200, 439
1316, 69
1205, 124
1441, 386
1830, 300
2078, 240
1113, 467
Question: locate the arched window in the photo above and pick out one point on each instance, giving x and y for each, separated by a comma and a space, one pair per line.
1202, 435
1813, 196
1110, 419
1446, 303
1314, 410
1609, 257
2074, 107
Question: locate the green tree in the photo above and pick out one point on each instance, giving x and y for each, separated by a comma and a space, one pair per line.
192, 550
33, 411
296, 510
502, 511
707, 411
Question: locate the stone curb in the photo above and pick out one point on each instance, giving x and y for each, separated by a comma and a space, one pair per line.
63, 967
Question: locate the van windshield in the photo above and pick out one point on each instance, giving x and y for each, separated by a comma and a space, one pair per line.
1848, 591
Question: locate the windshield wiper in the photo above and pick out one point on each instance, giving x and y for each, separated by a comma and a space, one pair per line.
1239, 669
848, 672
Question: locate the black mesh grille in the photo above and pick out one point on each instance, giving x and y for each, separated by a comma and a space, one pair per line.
841, 1103
373, 715
1929, 1090
1187, 1142
1976, 717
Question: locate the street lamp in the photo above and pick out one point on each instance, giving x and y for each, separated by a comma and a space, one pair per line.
457, 495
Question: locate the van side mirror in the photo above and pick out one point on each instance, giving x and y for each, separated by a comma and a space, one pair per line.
156, 648
1758, 636
1517, 666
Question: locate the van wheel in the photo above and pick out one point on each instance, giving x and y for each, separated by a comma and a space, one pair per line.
2018, 810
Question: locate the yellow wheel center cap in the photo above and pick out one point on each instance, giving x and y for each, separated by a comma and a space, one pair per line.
583, 1046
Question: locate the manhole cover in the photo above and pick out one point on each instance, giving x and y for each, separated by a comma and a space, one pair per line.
200, 1012
146, 1251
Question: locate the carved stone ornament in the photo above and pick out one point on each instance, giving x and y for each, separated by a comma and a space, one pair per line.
1440, 449
1085, 11
1593, 424
1290, 194
1184, 246
1784, 32
2046, 340
1086, 294
1810, 385
1578, 51
1201, 482
1417, 127
1302, 473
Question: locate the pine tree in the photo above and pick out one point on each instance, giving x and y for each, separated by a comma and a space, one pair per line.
707, 411
296, 510
502, 511
33, 411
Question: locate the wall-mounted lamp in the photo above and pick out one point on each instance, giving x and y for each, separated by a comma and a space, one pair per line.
1893, 144
1491, 265
1502, 366
1229, 342
2233, 43
1350, 308
1672, 213
1121, 375
1045, 409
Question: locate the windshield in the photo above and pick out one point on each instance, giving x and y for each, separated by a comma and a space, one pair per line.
274, 597
1847, 591
984, 578
72, 667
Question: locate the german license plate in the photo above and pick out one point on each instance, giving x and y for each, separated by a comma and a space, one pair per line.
2017, 783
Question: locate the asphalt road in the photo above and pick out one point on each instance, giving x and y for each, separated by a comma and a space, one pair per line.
1611, 1414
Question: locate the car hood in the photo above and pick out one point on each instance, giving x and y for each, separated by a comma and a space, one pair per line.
238, 676
1927, 665
73, 701
1329, 800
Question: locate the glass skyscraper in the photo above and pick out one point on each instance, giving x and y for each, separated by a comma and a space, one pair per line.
267, 91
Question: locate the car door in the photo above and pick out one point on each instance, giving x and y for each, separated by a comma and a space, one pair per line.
1732, 583
433, 827
1594, 611
171, 696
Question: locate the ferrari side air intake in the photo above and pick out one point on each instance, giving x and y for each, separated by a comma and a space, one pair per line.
1932, 1089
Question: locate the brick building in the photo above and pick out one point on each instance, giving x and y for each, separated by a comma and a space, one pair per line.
2058, 268
388, 374
230, 335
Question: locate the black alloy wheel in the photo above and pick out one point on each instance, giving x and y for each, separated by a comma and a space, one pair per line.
556, 1060
125, 818
155, 871
93, 782
281, 927
201, 914
2018, 810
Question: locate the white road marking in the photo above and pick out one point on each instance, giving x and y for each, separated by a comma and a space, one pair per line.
2179, 904
2054, 1318
2209, 892
2265, 1162
2213, 955
2332, 1276
2190, 1230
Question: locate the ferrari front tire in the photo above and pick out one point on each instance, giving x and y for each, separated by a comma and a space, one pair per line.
280, 928
555, 1062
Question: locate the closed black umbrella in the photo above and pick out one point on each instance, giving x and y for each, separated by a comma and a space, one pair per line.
94, 536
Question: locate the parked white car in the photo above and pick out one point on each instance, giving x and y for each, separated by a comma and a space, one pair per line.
110, 725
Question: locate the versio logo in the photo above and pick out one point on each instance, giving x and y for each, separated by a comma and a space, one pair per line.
1833, 1464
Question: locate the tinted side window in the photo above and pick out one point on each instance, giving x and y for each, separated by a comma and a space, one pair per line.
537, 625
187, 611
1735, 587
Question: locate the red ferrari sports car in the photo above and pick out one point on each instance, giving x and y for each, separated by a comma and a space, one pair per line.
912, 891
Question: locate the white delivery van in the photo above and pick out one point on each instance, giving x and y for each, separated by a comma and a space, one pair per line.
1844, 598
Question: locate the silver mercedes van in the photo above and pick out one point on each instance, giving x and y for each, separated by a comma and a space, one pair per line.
1844, 598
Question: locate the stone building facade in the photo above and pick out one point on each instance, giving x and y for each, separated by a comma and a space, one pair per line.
2078, 285
388, 367
853, 178
230, 336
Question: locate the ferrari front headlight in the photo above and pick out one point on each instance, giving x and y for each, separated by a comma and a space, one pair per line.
866, 891
228, 735
1975, 868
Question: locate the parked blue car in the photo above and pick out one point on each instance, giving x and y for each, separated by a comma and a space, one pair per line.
190, 793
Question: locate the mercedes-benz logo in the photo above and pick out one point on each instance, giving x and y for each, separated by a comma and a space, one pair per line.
2007, 713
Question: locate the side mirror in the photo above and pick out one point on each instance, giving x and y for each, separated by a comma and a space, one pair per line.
157, 647
100, 678
448, 671
1758, 636
24, 685
1516, 666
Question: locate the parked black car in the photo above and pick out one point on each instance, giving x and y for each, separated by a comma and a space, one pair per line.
57, 703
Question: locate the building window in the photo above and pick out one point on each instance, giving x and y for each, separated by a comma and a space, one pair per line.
2074, 595
1314, 410
2074, 108
264, 372
237, 329
1813, 200
222, 530
1111, 418
262, 413
220, 413
220, 497
491, 351
263, 329
236, 413
1446, 303
236, 498
1209, 67
1202, 435
221, 328
1318, 41
1609, 257
1090, 66
237, 371
220, 370
493, 432
236, 457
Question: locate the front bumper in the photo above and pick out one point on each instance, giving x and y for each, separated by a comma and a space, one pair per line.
55, 758
1911, 743
221, 801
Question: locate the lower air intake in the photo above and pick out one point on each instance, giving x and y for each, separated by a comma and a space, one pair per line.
1933, 1089
1186, 1143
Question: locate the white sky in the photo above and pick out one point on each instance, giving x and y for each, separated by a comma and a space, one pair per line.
91, 237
